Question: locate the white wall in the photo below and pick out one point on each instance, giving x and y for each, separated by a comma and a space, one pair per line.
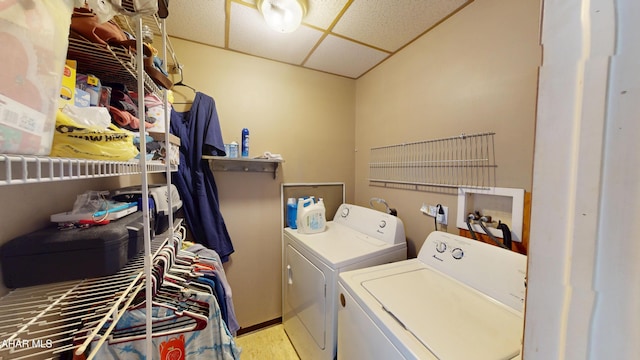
583, 294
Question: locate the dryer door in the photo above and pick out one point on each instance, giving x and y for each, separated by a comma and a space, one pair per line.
305, 298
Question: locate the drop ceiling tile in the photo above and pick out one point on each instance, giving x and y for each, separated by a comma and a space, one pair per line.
322, 13
250, 34
387, 25
343, 57
197, 20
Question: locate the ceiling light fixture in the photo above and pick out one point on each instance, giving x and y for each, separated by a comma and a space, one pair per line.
283, 16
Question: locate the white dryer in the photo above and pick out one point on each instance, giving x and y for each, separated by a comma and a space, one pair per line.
357, 237
460, 299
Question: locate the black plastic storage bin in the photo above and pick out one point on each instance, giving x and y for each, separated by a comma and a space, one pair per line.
50, 255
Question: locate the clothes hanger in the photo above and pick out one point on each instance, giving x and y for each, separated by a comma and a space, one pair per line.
169, 252
167, 279
186, 256
177, 266
181, 82
178, 256
170, 276
180, 275
166, 273
171, 292
188, 315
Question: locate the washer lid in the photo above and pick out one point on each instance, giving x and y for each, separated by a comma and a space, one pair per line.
452, 320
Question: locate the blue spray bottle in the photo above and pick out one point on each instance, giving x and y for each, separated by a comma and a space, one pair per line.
245, 142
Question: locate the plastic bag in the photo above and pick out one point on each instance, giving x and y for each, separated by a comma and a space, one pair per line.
90, 117
90, 202
74, 140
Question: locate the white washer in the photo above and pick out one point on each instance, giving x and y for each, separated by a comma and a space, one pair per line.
460, 299
357, 237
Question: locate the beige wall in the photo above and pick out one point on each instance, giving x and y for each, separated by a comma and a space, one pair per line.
476, 72
307, 117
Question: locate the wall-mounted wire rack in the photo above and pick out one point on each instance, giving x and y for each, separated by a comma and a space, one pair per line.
454, 162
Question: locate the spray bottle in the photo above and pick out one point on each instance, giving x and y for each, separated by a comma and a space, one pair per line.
245, 142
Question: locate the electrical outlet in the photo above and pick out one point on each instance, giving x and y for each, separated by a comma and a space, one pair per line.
442, 218
432, 210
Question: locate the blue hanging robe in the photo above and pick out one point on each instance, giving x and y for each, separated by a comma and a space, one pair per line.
200, 134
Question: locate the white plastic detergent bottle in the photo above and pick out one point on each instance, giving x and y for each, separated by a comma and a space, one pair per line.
311, 216
302, 203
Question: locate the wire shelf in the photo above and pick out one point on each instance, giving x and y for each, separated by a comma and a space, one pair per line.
155, 25
460, 161
46, 321
25, 169
111, 64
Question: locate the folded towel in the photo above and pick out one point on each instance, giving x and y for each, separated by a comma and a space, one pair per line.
268, 155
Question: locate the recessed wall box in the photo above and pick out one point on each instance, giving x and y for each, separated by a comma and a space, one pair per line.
504, 204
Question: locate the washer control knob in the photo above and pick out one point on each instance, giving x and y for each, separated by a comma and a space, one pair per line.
345, 212
457, 253
382, 224
441, 247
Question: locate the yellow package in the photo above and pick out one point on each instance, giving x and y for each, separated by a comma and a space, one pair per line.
73, 140
68, 87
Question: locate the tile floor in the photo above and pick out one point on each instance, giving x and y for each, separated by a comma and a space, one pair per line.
265, 344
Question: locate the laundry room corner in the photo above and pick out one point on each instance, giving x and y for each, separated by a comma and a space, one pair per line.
305, 116
476, 72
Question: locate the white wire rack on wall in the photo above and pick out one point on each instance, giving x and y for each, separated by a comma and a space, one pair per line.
459, 161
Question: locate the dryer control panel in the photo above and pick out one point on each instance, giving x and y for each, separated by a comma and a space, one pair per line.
374, 223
